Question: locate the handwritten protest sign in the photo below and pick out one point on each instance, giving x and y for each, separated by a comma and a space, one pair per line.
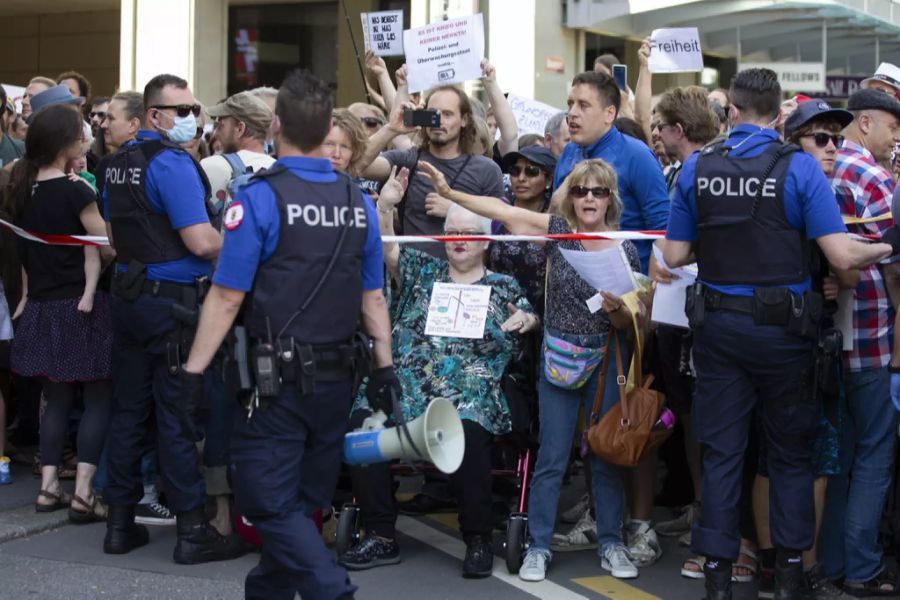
383, 32
458, 310
675, 51
444, 52
531, 115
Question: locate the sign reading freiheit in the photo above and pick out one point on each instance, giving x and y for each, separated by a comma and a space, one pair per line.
383, 32
444, 52
798, 77
675, 51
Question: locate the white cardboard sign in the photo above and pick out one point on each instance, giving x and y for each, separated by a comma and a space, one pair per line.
458, 310
444, 52
383, 32
675, 50
531, 115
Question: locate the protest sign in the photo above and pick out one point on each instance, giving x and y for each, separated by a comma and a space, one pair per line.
675, 51
444, 52
383, 32
458, 310
531, 115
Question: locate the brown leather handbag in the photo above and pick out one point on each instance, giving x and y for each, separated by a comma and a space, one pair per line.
624, 435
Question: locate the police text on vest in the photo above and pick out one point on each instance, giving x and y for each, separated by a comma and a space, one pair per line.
736, 186
325, 216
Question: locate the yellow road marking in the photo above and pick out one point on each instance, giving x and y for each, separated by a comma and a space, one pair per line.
451, 520
613, 588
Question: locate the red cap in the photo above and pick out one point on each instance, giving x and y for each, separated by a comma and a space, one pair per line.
801, 98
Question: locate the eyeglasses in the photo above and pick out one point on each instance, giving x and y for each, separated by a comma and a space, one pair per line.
821, 139
530, 171
455, 233
182, 110
372, 122
99, 115
579, 191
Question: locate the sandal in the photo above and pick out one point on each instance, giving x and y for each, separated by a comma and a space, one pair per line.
883, 584
693, 573
59, 501
90, 515
747, 567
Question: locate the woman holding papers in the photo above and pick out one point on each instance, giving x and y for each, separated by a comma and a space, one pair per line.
578, 322
456, 328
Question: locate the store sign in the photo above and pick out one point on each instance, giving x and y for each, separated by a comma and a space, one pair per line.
839, 87
797, 77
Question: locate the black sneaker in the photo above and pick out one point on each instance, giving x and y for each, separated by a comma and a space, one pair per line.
153, 514
420, 504
820, 588
479, 561
372, 552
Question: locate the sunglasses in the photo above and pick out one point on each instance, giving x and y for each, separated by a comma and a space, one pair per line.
455, 233
199, 133
821, 139
372, 122
182, 110
530, 171
579, 191
99, 115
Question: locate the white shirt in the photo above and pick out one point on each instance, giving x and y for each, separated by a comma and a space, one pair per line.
219, 172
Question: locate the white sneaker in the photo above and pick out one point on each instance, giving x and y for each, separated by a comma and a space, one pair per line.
618, 563
575, 512
682, 524
643, 546
534, 567
583, 536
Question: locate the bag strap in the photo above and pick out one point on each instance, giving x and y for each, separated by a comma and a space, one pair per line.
601, 385
613, 338
237, 165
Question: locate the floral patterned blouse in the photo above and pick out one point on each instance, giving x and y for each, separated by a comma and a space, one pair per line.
467, 372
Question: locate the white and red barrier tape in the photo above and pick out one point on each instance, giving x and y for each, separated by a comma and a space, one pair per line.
98, 240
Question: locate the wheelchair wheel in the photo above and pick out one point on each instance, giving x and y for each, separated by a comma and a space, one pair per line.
516, 531
347, 529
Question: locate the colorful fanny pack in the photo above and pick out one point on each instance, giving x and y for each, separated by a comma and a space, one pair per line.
568, 365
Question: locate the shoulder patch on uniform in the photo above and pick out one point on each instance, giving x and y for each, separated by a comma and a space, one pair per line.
234, 216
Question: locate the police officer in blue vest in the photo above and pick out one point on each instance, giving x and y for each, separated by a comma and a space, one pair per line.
155, 204
302, 243
747, 210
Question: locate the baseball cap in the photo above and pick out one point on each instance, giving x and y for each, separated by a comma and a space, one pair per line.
886, 73
538, 155
245, 107
868, 99
815, 109
58, 94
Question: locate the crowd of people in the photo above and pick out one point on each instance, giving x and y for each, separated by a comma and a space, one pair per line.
106, 363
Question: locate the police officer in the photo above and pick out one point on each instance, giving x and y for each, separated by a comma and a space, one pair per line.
304, 242
747, 208
155, 204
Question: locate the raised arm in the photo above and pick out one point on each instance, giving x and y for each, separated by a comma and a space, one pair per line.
391, 194
376, 66
370, 163
506, 120
517, 220
643, 93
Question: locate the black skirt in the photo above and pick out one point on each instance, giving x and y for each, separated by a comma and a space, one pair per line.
57, 341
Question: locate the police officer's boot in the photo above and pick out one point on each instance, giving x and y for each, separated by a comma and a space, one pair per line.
199, 542
790, 583
718, 579
122, 534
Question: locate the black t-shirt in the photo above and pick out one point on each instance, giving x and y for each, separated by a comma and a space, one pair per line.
53, 207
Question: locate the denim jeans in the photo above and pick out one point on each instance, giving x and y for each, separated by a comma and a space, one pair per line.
558, 411
855, 497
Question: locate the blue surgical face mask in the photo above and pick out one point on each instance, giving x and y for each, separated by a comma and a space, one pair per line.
184, 129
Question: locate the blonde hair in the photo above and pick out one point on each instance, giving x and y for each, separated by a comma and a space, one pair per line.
601, 172
353, 126
483, 136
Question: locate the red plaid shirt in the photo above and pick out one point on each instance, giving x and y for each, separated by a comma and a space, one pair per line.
864, 189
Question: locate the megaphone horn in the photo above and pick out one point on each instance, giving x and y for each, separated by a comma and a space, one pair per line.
436, 436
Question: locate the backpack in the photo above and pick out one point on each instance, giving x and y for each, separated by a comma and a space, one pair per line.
240, 177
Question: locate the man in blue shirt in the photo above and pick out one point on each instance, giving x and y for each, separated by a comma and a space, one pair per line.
303, 242
154, 201
748, 208
593, 106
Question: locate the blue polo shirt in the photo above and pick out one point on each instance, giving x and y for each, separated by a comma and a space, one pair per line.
809, 202
255, 239
174, 189
642, 186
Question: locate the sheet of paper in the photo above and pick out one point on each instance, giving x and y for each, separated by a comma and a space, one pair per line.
594, 303
444, 52
458, 310
675, 51
668, 301
531, 115
843, 320
383, 32
607, 270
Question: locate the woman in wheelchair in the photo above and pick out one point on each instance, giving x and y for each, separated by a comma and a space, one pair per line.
464, 364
